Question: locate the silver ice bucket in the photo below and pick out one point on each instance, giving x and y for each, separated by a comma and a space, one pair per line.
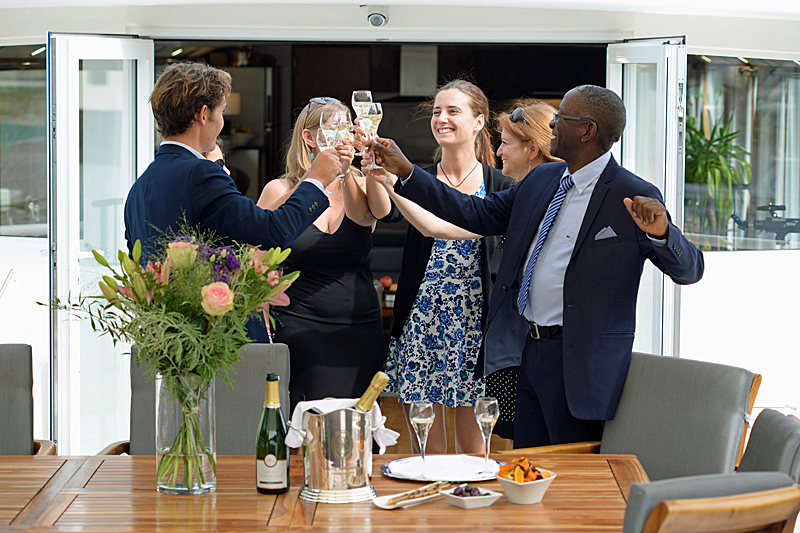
337, 462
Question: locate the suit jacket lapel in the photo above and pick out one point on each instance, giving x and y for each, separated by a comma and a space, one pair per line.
537, 214
599, 193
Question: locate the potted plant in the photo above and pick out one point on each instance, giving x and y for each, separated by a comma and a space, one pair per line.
715, 163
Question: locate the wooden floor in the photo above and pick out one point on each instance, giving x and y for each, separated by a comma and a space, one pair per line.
393, 411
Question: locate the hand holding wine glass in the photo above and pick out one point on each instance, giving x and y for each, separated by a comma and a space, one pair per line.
421, 415
370, 120
487, 411
361, 101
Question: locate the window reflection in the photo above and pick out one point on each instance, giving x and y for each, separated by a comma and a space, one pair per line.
23, 145
743, 153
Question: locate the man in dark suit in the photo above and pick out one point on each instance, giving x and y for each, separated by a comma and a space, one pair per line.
180, 184
564, 302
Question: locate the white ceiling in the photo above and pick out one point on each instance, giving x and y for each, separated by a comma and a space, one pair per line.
776, 9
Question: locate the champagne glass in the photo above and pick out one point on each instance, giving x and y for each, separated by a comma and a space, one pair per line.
361, 101
371, 119
345, 125
422, 415
487, 411
334, 124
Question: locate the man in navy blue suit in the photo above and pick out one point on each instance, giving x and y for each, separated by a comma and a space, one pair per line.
180, 185
188, 100
564, 302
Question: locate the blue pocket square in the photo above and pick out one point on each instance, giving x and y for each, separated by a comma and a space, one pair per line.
605, 233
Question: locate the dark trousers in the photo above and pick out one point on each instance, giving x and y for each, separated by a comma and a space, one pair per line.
542, 416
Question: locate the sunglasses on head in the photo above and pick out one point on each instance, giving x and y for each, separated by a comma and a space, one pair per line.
517, 116
221, 162
322, 100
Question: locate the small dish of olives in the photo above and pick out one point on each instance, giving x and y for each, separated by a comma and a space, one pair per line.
470, 497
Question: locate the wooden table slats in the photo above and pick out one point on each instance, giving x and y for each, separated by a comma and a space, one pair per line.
118, 493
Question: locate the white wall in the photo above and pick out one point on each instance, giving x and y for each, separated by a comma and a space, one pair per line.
705, 34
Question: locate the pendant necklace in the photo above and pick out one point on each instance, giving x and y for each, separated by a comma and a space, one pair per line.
462, 181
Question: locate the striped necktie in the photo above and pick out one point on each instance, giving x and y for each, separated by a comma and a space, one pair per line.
547, 224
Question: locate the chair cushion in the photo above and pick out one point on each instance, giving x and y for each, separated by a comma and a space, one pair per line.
16, 399
238, 409
680, 417
773, 446
644, 497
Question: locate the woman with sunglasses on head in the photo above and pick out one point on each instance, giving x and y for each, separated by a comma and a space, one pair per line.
445, 279
333, 323
524, 145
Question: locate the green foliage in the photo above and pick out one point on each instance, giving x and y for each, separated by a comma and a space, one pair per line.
718, 163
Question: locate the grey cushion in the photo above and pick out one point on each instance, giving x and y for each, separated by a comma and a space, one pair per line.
644, 497
16, 399
238, 409
774, 445
680, 417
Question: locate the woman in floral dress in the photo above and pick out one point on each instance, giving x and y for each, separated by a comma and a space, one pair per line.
444, 283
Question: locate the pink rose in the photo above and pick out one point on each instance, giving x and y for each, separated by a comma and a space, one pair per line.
217, 298
273, 277
182, 254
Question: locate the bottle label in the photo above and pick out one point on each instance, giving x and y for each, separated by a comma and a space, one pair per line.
271, 473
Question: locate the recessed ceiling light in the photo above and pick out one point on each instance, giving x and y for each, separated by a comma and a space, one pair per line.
177, 52
38, 51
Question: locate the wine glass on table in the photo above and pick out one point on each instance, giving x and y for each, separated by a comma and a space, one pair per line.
361, 101
487, 411
370, 120
421, 415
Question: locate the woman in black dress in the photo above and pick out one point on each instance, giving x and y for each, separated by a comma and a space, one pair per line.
333, 324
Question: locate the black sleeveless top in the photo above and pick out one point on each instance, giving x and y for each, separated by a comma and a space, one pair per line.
335, 284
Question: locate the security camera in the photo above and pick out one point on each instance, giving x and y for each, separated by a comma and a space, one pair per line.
378, 15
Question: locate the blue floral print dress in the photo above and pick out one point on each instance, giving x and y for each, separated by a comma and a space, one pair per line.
435, 356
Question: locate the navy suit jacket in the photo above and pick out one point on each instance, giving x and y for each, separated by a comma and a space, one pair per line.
179, 185
601, 282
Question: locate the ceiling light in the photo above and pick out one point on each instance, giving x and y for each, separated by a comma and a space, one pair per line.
743, 60
704, 58
177, 52
38, 51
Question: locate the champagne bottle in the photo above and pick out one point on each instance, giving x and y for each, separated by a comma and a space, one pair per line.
272, 454
379, 381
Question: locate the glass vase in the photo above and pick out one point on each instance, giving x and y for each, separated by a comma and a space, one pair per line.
185, 435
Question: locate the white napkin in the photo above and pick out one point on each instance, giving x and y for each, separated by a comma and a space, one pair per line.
297, 435
443, 467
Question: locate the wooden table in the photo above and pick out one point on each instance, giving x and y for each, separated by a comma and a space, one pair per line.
117, 493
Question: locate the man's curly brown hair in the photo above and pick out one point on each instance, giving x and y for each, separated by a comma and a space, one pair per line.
182, 90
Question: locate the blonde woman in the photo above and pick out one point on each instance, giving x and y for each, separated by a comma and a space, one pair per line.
524, 145
333, 324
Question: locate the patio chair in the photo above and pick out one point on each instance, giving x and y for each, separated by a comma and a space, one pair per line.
238, 409
679, 416
774, 445
719, 503
16, 403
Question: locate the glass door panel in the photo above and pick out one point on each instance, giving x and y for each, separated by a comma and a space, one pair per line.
650, 77
23, 215
104, 138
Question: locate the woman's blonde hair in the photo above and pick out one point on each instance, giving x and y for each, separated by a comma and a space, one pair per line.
298, 153
537, 130
479, 105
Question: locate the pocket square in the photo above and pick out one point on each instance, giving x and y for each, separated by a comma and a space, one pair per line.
605, 233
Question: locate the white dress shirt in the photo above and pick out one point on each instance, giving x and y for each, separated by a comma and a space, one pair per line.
546, 294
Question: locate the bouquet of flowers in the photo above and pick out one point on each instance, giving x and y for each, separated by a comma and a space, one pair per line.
187, 314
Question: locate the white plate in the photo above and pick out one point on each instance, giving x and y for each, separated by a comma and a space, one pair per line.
383, 501
453, 468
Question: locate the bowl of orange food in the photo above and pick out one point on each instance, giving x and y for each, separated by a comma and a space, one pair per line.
524, 483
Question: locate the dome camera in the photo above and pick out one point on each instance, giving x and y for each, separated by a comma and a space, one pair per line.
377, 16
